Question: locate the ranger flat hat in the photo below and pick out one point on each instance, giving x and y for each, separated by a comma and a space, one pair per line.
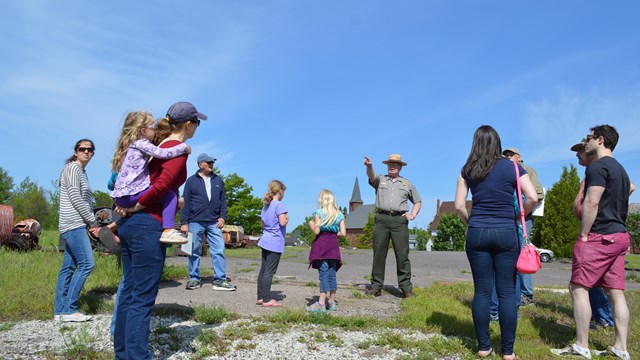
579, 146
395, 158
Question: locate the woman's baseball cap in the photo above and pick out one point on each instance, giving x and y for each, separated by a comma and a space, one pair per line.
184, 111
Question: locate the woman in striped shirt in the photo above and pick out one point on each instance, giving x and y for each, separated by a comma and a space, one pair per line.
75, 214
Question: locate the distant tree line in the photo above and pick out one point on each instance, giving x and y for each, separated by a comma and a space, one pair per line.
29, 200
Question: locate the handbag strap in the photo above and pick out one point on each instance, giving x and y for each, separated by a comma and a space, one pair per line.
519, 192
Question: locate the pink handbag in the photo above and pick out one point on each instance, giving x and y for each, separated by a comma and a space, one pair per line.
529, 259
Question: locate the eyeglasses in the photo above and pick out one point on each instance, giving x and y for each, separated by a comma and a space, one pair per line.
211, 162
590, 137
83, 149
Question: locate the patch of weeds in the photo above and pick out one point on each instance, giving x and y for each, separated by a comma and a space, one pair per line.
311, 284
318, 336
392, 340
439, 346
161, 329
245, 346
334, 340
174, 272
275, 280
79, 346
173, 310
367, 277
213, 314
6, 326
360, 295
245, 270
254, 264
236, 333
363, 345
633, 277
165, 335
262, 329
211, 343
464, 271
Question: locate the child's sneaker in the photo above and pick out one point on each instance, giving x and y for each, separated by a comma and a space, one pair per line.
173, 237
331, 306
317, 308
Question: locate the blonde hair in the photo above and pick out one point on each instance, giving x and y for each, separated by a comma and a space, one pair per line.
330, 211
274, 187
133, 123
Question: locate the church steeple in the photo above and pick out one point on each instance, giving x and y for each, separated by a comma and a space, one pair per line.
356, 199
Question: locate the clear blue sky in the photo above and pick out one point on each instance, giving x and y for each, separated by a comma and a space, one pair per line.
302, 90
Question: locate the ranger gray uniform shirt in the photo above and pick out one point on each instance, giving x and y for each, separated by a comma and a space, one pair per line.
392, 195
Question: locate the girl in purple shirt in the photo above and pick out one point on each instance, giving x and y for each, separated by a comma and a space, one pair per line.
130, 160
274, 225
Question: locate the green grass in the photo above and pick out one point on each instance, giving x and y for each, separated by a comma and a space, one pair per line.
634, 261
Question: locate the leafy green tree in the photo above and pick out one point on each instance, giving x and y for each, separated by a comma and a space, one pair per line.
451, 234
633, 227
558, 229
244, 208
421, 238
53, 198
29, 201
306, 235
6, 186
365, 240
102, 199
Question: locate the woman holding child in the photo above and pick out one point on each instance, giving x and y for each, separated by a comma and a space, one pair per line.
143, 254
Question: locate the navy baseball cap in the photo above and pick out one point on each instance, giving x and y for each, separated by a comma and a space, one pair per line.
184, 111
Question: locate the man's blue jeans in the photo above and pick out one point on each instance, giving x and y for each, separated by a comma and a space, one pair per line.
216, 249
143, 258
494, 251
327, 275
77, 264
600, 306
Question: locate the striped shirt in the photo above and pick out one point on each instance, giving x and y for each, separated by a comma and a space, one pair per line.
76, 201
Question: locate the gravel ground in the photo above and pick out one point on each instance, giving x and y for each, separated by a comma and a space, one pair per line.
175, 338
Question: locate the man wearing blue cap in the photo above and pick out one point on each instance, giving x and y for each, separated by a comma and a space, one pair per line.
204, 214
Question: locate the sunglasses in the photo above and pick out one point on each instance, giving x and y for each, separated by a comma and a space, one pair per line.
590, 137
197, 122
83, 149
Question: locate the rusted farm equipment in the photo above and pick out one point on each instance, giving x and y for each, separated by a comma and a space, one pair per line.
233, 236
22, 236
105, 241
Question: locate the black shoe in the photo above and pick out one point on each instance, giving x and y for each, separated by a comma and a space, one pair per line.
408, 294
374, 292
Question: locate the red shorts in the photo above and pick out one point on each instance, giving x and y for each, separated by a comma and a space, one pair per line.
599, 261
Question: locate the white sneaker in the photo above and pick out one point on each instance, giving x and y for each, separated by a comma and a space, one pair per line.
77, 317
57, 317
173, 236
624, 355
573, 350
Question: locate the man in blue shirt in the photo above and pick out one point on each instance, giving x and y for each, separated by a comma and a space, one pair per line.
204, 214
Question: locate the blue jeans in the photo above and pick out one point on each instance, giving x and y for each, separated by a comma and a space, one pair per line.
143, 258
216, 249
494, 251
77, 264
327, 275
600, 306
112, 327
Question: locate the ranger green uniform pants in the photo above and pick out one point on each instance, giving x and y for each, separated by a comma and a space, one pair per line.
396, 228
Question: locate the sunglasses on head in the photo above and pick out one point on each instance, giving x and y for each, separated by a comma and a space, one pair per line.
83, 149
